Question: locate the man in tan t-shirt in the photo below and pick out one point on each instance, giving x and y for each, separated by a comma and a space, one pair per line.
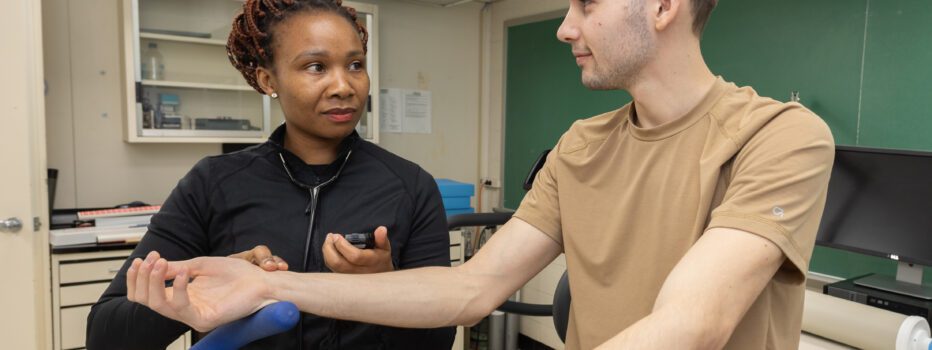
688, 217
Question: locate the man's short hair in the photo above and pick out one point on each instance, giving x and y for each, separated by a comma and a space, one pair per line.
702, 10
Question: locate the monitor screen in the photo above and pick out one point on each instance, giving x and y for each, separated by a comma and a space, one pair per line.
880, 203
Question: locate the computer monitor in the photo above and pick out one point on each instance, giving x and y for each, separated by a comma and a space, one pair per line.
880, 203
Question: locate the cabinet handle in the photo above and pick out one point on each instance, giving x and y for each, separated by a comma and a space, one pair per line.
113, 270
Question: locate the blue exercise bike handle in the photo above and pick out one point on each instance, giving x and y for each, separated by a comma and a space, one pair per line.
270, 320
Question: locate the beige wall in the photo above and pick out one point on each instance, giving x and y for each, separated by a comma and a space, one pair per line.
84, 114
436, 49
423, 47
510, 12
540, 288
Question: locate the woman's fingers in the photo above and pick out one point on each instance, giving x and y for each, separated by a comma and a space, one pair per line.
262, 256
332, 258
352, 254
280, 263
381, 239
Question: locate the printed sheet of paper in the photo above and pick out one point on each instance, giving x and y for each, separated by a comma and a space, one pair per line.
392, 110
403, 110
417, 112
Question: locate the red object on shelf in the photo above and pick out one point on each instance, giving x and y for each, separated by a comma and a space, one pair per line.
106, 213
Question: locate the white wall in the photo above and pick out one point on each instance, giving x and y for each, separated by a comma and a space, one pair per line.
422, 47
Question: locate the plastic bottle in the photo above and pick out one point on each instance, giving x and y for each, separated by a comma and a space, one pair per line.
153, 65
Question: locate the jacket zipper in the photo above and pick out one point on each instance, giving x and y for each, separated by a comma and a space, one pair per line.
312, 211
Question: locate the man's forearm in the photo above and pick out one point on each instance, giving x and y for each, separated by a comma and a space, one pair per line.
418, 298
672, 328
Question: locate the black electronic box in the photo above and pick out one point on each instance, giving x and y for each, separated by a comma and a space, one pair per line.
898, 303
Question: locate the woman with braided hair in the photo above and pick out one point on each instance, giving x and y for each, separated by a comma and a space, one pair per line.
281, 204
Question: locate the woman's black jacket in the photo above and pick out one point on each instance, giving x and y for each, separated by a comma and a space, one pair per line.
267, 195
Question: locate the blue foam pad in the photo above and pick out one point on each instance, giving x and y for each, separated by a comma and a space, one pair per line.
270, 320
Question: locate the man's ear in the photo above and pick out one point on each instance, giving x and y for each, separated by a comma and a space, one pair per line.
665, 13
265, 78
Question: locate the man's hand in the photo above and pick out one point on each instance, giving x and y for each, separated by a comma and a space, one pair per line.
223, 291
341, 256
262, 257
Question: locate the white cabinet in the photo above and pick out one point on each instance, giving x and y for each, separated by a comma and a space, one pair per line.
199, 97
78, 280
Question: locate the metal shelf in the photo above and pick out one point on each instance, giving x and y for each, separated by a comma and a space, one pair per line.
192, 85
182, 39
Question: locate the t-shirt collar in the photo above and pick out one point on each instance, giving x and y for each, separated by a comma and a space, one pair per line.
676, 126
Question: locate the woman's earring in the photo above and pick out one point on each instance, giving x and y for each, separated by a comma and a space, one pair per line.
274, 95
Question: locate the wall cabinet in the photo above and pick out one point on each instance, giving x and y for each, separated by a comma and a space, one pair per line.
179, 86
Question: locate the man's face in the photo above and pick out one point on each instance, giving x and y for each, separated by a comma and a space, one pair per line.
610, 39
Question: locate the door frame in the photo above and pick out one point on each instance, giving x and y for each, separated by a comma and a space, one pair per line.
27, 292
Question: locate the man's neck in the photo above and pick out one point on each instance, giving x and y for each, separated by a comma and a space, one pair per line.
667, 91
311, 150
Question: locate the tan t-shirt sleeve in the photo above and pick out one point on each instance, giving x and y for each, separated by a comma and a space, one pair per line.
778, 187
541, 205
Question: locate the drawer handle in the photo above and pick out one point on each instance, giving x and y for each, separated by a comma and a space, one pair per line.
113, 270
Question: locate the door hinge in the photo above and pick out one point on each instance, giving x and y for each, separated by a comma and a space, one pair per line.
36, 224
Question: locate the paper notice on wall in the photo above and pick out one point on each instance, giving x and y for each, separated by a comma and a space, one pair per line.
407, 111
392, 110
417, 112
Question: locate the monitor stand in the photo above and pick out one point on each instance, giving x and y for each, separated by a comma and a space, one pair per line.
908, 281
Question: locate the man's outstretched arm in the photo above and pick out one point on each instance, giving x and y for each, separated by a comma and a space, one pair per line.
707, 293
224, 290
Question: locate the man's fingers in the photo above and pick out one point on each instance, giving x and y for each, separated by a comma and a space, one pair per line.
131, 279
381, 239
142, 278
156, 287
180, 299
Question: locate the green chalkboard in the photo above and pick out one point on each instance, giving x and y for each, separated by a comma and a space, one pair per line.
866, 77
543, 97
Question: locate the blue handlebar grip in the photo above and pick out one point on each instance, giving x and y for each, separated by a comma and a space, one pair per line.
270, 320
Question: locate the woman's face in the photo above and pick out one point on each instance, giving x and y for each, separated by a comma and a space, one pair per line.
319, 74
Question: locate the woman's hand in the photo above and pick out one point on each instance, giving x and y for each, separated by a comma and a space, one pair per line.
341, 256
223, 291
262, 257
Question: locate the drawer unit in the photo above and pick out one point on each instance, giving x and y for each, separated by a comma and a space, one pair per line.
73, 326
82, 294
88, 271
78, 280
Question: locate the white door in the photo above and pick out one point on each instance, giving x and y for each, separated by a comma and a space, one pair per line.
24, 290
